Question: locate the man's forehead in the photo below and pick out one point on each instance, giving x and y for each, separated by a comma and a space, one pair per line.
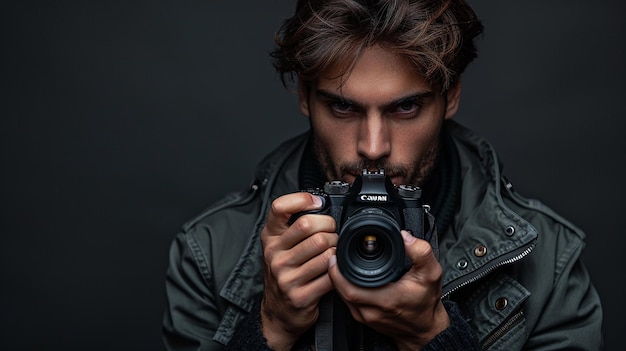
377, 68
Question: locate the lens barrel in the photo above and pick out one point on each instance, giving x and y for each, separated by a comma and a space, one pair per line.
370, 250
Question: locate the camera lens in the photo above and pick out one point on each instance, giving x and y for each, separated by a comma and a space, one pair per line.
370, 246
370, 251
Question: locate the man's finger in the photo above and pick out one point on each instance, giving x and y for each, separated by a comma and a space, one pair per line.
287, 205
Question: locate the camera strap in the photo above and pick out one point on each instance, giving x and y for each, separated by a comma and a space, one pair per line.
330, 325
431, 233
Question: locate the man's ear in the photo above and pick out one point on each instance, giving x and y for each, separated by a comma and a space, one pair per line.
303, 97
453, 99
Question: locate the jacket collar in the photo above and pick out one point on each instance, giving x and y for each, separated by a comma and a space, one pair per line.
485, 233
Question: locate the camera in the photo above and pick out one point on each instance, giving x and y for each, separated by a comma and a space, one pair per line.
369, 216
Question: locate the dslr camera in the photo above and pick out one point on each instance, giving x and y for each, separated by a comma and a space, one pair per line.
369, 217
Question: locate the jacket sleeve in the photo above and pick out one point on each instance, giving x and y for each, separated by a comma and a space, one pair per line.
191, 315
572, 315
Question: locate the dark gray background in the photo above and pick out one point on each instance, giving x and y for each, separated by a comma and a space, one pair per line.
122, 119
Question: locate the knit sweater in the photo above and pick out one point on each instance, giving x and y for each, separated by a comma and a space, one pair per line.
458, 336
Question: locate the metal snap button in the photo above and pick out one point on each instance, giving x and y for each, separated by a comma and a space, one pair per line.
480, 250
462, 264
501, 303
510, 230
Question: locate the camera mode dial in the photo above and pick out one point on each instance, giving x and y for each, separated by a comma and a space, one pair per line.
409, 191
336, 187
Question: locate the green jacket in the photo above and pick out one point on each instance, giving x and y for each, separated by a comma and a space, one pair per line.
511, 264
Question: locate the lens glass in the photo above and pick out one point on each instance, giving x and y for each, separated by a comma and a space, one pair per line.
370, 247
369, 250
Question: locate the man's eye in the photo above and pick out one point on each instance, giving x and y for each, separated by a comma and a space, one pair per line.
342, 106
408, 106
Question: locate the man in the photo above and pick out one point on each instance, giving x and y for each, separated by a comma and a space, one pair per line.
380, 82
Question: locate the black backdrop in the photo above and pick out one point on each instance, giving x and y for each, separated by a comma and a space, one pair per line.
122, 119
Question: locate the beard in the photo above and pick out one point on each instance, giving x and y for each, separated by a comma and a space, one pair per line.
411, 174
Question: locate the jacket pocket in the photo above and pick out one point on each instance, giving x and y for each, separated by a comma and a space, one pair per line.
494, 307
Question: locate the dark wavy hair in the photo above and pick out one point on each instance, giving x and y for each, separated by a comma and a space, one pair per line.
436, 36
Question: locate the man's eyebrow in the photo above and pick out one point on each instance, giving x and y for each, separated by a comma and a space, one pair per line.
331, 96
409, 98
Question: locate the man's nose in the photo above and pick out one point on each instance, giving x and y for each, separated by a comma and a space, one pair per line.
374, 138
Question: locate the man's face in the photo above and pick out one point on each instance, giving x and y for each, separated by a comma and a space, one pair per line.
383, 115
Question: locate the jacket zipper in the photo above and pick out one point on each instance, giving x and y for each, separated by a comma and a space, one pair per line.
490, 269
493, 337
498, 333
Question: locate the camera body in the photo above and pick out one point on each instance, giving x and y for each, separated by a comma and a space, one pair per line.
369, 217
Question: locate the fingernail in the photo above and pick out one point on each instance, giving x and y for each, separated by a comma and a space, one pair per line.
332, 261
318, 201
408, 238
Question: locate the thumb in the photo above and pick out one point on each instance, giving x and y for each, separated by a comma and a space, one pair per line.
408, 238
419, 251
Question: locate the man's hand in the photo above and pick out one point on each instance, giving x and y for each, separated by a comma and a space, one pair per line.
295, 267
408, 310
